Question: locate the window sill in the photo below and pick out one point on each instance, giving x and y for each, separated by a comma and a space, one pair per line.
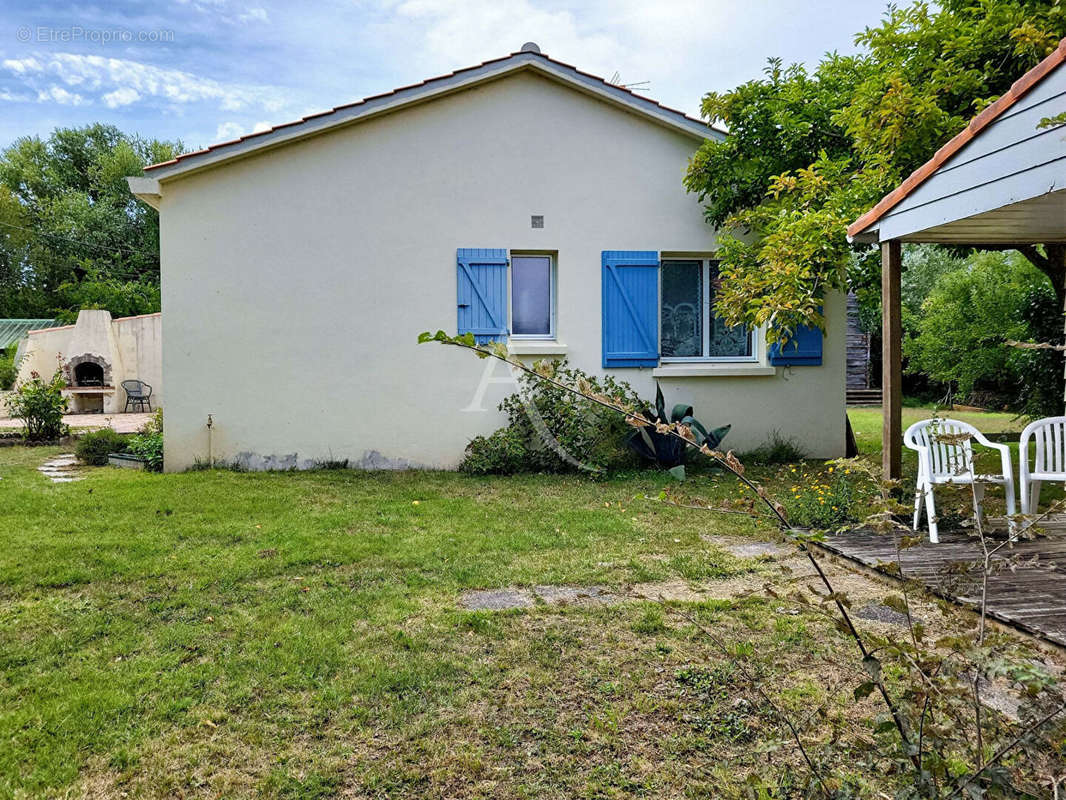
713, 370
535, 347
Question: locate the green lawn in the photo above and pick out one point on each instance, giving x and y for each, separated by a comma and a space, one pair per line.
866, 422
299, 635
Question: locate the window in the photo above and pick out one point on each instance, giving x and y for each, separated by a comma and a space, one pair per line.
532, 297
691, 331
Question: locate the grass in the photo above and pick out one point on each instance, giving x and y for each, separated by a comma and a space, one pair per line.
866, 422
299, 635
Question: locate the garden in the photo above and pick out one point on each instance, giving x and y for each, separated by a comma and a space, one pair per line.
549, 632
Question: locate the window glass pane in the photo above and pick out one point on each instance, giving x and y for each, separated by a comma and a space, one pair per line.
682, 320
531, 295
727, 341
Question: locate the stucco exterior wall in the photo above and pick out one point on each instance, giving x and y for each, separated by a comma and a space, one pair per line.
296, 281
40, 351
140, 344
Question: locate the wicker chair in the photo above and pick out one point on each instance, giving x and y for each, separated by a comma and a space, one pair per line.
138, 395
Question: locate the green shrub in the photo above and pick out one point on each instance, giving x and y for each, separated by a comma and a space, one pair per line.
153, 425
667, 451
583, 432
822, 500
500, 453
148, 443
93, 448
959, 337
40, 405
148, 446
8, 369
777, 449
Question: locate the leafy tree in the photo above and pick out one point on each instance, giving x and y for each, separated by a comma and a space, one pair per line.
810, 151
121, 298
66, 214
965, 322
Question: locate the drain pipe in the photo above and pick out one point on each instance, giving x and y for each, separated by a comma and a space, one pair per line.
210, 450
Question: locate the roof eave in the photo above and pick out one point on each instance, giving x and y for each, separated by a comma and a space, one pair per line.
378, 105
146, 189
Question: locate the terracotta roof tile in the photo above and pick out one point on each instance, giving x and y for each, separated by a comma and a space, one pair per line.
1017, 90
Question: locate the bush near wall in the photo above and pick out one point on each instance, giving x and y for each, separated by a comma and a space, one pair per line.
148, 443
93, 448
583, 432
40, 405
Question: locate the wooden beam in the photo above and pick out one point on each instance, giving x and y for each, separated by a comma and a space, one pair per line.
891, 361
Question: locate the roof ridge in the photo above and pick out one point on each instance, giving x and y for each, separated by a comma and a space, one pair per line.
212, 148
1018, 89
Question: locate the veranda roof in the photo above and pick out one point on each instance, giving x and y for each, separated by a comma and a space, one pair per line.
1001, 181
11, 330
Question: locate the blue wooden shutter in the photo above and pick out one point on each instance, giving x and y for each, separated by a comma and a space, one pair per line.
630, 308
804, 349
482, 292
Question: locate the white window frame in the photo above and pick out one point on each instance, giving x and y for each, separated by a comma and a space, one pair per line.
532, 337
754, 335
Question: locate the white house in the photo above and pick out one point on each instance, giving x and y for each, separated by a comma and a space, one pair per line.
519, 198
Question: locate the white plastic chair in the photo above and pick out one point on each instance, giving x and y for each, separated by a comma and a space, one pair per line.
952, 462
1050, 436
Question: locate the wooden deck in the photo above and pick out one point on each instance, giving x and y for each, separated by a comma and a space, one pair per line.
1030, 597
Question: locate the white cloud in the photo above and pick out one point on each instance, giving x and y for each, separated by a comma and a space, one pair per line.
121, 97
14, 97
234, 130
683, 48
254, 15
21, 66
229, 130
58, 94
119, 80
664, 42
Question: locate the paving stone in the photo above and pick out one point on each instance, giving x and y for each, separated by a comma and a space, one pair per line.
496, 599
585, 595
754, 549
1002, 699
61, 469
882, 613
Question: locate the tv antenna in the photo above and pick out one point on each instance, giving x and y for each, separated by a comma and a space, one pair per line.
637, 86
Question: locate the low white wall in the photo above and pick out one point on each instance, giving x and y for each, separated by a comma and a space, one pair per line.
42, 350
140, 343
295, 282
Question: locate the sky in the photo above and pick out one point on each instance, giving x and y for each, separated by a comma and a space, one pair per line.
204, 71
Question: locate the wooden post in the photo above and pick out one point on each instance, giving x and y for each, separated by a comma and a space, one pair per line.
892, 361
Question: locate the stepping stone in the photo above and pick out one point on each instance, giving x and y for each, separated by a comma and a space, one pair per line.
882, 613
1002, 699
496, 599
755, 549
61, 469
586, 595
